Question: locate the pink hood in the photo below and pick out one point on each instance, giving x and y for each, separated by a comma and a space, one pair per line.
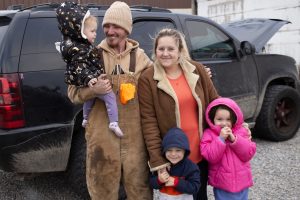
232, 105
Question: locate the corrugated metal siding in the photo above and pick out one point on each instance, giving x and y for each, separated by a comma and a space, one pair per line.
157, 3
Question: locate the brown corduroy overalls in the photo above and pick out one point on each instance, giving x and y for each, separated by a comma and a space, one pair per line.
111, 159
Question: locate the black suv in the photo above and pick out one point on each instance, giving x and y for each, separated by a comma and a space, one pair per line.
40, 129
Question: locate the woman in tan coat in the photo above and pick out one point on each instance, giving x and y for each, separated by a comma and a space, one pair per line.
174, 93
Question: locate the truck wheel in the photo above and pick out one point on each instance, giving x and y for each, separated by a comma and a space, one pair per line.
76, 165
279, 118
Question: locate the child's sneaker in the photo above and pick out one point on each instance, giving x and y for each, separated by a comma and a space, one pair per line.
116, 129
84, 123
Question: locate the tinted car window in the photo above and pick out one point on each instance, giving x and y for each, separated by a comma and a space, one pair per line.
39, 45
38, 50
145, 31
2, 32
208, 42
4, 22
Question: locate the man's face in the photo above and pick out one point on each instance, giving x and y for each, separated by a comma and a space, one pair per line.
115, 35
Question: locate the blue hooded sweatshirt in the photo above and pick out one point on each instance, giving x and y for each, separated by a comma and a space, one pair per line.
186, 171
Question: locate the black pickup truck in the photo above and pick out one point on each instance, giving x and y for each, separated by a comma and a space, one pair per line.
40, 129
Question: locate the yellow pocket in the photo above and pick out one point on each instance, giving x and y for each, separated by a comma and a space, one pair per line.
127, 91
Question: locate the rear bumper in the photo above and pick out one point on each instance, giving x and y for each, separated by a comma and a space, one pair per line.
38, 149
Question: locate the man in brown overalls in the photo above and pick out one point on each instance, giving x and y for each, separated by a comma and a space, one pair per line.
109, 158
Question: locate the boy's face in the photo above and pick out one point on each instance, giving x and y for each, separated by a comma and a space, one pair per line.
222, 118
90, 30
175, 155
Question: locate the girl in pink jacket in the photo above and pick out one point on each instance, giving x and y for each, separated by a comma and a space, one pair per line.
228, 148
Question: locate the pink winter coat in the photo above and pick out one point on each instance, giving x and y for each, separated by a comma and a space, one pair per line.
229, 163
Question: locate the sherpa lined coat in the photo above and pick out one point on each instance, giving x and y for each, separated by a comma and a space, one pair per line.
83, 62
229, 163
160, 108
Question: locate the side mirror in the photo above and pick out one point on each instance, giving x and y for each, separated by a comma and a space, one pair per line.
246, 48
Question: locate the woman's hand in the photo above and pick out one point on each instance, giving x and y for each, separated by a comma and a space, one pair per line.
208, 71
163, 175
246, 126
102, 86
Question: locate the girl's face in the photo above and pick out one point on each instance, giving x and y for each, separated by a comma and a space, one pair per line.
90, 30
167, 51
175, 155
222, 118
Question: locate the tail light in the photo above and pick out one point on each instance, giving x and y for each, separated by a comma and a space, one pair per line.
11, 108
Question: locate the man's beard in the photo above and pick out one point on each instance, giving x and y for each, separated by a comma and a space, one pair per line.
114, 41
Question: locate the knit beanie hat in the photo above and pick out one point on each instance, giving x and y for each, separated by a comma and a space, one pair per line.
119, 13
175, 137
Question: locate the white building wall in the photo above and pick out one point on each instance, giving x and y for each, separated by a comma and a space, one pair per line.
286, 41
183, 10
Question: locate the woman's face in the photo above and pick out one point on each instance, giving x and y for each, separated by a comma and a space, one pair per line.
167, 51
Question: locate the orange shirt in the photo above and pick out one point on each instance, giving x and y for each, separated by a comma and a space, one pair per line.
188, 109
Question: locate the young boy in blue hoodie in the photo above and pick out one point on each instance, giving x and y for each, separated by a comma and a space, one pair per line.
182, 179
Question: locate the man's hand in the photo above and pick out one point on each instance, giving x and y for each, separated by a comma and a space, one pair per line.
92, 82
102, 86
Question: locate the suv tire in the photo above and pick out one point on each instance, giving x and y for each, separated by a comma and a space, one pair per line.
279, 117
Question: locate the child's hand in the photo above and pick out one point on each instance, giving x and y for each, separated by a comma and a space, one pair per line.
163, 175
225, 131
92, 82
170, 182
231, 137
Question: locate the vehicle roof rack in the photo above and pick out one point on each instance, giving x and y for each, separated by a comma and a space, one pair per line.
15, 7
93, 6
44, 6
51, 6
146, 8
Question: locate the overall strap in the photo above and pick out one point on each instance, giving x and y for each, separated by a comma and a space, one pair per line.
132, 60
131, 63
101, 58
